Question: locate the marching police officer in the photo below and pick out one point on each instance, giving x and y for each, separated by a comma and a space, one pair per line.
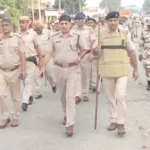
91, 22
12, 65
114, 66
32, 51
90, 37
43, 37
64, 48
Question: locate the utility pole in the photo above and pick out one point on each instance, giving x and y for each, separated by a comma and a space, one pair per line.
59, 7
32, 10
39, 6
106, 5
80, 8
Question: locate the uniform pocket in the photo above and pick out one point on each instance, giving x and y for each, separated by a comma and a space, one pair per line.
57, 46
14, 49
1, 49
73, 45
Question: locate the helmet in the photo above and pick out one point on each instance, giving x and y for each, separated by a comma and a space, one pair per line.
80, 15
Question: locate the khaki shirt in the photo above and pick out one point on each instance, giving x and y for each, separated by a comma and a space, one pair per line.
30, 40
43, 40
65, 50
130, 45
10, 50
87, 33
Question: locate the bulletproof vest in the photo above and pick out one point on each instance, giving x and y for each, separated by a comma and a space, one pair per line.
114, 60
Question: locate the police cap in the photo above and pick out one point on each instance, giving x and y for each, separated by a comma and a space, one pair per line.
112, 14
7, 20
65, 18
79, 16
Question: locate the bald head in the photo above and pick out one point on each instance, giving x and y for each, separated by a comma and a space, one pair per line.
38, 28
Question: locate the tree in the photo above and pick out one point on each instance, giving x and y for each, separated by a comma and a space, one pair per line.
70, 6
23, 6
111, 5
12, 11
146, 6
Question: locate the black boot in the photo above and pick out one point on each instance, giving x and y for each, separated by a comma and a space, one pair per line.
24, 106
30, 100
148, 85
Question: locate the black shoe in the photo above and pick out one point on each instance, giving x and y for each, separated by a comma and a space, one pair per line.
54, 89
24, 106
30, 100
148, 85
38, 97
94, 90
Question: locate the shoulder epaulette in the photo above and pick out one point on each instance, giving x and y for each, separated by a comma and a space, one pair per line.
17, 34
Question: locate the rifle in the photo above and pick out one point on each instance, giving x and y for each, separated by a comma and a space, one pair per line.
98, 80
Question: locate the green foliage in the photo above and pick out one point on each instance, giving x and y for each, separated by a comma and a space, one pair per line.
70, 6
12, 11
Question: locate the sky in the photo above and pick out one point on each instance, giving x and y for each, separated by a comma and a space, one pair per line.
95, 3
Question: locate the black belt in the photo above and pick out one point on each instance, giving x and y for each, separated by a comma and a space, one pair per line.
114, 47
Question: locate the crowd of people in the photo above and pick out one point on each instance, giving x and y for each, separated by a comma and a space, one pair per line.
67, 56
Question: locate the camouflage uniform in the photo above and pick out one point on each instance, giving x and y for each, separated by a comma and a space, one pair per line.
144, 51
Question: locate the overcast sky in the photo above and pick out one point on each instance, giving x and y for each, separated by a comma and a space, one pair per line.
95, 3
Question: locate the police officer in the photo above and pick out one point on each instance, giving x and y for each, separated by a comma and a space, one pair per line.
114, 66
56, 27
144, 52
90, 38
32, 51
12, 65
43, 37
91, 22
64, 48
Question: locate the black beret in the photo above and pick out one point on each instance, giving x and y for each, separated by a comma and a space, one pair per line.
7, 20
65, 18
112, 14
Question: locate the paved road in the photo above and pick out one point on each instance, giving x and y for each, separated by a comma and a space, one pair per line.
41, 126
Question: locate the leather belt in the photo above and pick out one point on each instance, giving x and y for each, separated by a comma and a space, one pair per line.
65, 65
10, 69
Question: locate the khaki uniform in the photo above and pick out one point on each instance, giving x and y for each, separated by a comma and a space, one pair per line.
144, 50
65, 50
30, 40
93, 69
84, 79
114, 67
43, 40
11, 49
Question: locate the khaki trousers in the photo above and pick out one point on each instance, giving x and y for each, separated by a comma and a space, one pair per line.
49, 76
67, 83
93, 73
11, 80
28, 83
115, 89
84, 79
